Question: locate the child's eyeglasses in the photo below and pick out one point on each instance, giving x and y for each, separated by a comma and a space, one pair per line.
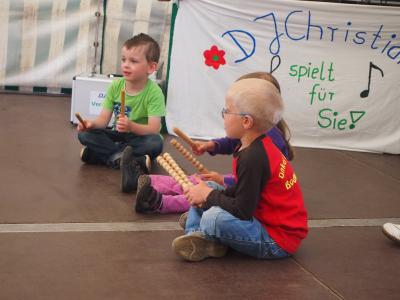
224, 112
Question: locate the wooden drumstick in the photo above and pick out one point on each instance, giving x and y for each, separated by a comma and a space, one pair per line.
184, 137
78, 116
123, 102
198, 165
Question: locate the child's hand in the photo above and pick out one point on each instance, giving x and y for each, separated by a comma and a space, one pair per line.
123, 124
200, 147
213, 176
197, 195
88, 124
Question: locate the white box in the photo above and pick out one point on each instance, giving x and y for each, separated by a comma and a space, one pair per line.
88, 94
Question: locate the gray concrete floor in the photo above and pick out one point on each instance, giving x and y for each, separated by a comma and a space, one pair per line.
66, 231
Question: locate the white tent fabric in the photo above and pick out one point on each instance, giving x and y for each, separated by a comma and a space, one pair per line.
46, 43
324, 55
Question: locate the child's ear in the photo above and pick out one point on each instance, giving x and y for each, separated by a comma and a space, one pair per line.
248, 121
152, 67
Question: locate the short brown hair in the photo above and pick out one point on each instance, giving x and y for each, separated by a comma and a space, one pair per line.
152, 51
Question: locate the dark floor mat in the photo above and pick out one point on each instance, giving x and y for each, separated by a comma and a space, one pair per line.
139, 266
358, 262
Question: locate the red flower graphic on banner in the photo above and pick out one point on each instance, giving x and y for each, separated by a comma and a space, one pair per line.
214, 57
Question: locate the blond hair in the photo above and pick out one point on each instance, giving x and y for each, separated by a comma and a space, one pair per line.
258, 98
262, 75
282, 125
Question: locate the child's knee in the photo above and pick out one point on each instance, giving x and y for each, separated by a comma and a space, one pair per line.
212, 221
83, 137
155, 143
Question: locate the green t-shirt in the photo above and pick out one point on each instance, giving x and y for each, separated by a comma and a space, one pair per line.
147, 103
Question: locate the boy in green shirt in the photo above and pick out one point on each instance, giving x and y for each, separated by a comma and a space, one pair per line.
134, 139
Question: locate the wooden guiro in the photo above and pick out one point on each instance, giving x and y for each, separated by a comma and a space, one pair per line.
183, 136
169, 164
198, 165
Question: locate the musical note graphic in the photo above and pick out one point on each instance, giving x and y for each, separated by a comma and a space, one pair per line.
272, 67
365, 93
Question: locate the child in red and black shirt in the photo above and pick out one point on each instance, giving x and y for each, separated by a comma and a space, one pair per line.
262, 214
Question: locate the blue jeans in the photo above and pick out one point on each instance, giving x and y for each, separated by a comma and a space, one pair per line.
215, 186
248, 237
104, 144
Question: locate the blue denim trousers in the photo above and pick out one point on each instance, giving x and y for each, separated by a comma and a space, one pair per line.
247, 237
106, 143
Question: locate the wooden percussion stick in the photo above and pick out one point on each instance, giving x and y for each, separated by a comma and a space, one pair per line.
168, 158
175, 165
190, 157
78, 116
163, 163
123, 102
173, 173
184, 137
198, 165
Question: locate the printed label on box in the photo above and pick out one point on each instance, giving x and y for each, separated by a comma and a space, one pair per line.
96, 99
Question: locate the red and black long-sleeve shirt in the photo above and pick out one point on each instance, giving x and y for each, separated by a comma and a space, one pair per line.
266, 188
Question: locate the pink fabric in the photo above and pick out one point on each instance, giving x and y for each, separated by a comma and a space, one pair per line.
173, 200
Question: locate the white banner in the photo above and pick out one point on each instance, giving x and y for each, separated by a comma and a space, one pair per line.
338, 66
